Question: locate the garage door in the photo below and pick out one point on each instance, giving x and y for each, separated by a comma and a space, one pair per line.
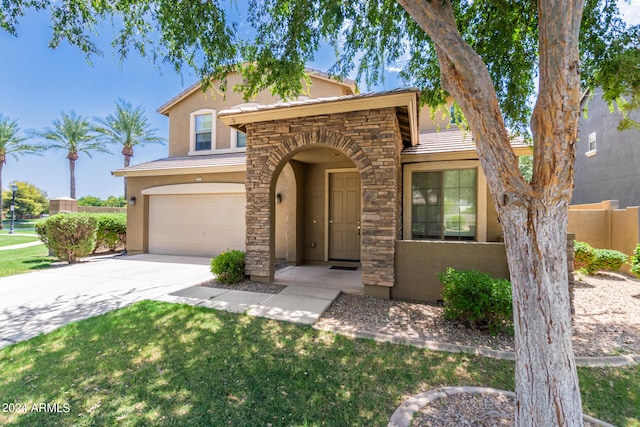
196, 224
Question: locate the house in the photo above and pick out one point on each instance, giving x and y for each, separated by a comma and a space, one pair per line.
607, 159
335, 177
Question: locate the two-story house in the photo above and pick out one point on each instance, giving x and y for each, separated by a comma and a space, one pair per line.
607, 163
332, 177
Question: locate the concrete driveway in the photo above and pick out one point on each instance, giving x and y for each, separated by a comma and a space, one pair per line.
39, 302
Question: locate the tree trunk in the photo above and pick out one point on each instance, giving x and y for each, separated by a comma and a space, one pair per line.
127, 161
72, 178
533, 216
546, 377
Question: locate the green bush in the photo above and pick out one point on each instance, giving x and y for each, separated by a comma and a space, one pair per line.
608, 259
41, 231
635, 261
589, 260
70, 236
477, 299
229, 266
112, 230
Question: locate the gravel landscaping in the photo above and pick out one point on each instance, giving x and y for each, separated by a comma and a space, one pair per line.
606, 321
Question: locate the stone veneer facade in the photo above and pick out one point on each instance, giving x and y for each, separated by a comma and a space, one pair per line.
372, 140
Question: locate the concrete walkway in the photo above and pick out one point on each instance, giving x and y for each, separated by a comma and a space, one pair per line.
298, 304
20, 245
39, 302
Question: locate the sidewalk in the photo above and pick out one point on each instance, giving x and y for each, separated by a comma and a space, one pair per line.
20, 245
298, 304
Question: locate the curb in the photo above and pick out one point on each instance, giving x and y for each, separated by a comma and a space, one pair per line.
583, 361
403, 416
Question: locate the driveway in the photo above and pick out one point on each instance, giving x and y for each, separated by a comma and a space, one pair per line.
39, 302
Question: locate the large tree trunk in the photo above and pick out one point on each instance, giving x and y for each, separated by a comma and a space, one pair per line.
533, 216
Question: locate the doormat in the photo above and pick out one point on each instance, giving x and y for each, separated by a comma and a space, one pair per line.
341, 267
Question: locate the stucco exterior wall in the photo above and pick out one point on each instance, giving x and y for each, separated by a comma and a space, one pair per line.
179, 114
604, 226
418, 263
611, 171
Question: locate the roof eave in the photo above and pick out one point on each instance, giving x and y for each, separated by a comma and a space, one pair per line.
408, 98
178, 170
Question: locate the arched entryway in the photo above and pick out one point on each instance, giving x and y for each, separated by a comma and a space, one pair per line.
371, 141
318, 199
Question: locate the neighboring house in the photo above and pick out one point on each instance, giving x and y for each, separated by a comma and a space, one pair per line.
607, 165
336, 177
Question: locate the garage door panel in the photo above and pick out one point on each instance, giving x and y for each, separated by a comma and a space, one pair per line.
196, 224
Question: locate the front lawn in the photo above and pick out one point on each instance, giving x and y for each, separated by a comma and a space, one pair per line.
163, 364
15, 261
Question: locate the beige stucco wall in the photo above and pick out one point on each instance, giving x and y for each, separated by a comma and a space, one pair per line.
604, 226
179, 114
419, 262
441, 119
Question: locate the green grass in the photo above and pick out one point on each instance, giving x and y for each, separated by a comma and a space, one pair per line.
8, 240
162, 364
16, 261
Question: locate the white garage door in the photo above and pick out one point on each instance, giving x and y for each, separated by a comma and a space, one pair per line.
196, 224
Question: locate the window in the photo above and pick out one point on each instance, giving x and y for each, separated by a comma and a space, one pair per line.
443, 205
592, 145
238, 139
203, 131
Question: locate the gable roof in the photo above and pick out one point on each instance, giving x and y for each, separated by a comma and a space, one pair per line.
405, 101
348, 83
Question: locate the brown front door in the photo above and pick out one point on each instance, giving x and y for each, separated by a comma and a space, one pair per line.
344, 216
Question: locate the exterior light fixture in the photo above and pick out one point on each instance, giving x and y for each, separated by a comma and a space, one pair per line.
132, 201
278, 198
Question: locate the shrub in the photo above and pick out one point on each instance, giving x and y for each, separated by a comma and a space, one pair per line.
112, 230
229, 266
70, 236
477, 299
589, 260
608, 259
41, 231
635, 261
583, 255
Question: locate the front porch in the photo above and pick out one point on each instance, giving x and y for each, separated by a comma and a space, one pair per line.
321, 276
359, 139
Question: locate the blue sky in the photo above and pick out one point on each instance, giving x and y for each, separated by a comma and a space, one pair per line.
37, 83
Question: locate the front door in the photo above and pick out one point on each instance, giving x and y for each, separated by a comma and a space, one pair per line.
344, 216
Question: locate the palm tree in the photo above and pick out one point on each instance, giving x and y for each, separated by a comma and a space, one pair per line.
11, 144
75, 135
128, 127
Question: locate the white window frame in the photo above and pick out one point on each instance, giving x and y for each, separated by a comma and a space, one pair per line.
192, 131
234, 141
591, 145
481, 193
